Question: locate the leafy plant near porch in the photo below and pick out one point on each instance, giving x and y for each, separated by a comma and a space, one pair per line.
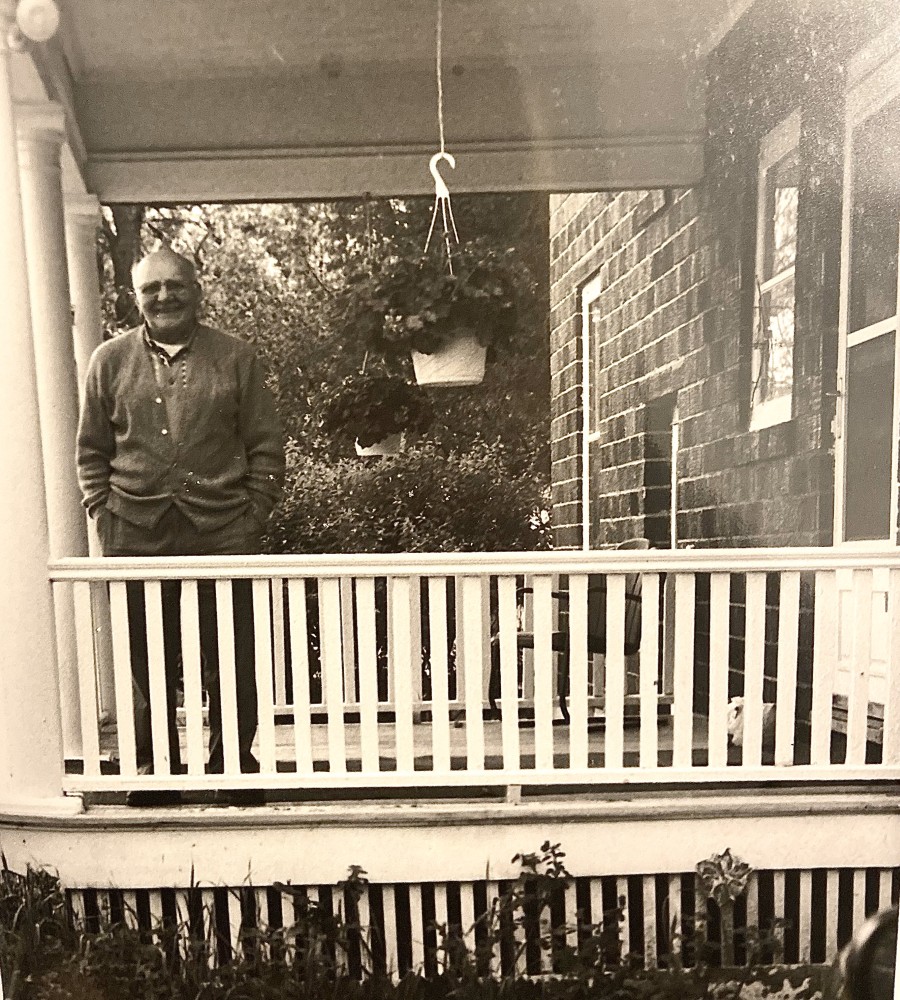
399, 304
370, 407
724, 877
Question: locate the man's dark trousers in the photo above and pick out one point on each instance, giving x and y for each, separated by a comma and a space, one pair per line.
176, 535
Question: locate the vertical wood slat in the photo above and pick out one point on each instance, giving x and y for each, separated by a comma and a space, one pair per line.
416, 664
234, 922
403, 664
227, 677
441, 919
156, 915
473, 644
683, 698
459, 620
752, 894
440, 675
389, 906
76, 902
366, 644
492, 895
754, 667
129, 909
650, 943
467, 914
701, 918
719, 614
261, 922
416, 917
805, 922
121, 650
87, 675
528, 626
298, 626
595, 892
648, 682
348, 647
624, 920
265, 695
860, 664
193, 680
824, 664
578, 671
859, 898
786, 682
509, 681
364, 919
279, 644
832, 886
571, 913
331, 632
891, 736
614, 695
543, 669
673, 924
156, 666
885, 880
779, 913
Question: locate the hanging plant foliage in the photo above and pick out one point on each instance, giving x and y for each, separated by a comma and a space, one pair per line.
371, 407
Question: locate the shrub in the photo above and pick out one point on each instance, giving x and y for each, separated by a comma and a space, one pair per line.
370, 407
421, 501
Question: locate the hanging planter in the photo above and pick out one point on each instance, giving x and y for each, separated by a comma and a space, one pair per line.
446, 321
373, 411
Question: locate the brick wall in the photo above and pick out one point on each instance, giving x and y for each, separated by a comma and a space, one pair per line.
674, 321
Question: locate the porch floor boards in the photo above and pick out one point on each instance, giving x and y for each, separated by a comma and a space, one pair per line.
423, 744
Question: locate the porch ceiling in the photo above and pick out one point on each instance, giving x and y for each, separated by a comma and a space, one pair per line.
187, 99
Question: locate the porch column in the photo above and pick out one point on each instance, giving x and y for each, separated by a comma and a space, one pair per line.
41, 133
82, 212
31, 751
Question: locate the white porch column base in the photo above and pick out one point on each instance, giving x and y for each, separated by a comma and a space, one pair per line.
31, 756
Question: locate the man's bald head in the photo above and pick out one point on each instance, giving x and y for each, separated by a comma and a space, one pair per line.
168, 294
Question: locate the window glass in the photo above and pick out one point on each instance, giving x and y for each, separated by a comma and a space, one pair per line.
870, 437
875, 218
776, 345
780, 233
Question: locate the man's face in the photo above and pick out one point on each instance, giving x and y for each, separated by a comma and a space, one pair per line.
168, 297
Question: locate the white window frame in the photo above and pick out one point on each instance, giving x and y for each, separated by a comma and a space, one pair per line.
874, 81
777, 144
590, 293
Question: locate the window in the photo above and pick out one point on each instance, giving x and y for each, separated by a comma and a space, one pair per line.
776, 251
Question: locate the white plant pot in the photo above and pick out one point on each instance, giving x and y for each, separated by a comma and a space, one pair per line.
459, 362
391, 445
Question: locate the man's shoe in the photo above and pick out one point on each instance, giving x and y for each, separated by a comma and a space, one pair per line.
150, 797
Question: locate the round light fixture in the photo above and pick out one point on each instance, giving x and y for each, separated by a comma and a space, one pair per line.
37, 19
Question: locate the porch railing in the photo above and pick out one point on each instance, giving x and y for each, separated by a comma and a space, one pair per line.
409, 671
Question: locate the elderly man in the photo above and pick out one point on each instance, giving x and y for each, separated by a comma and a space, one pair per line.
180, 453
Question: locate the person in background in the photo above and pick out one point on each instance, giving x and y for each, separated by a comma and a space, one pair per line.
180, 453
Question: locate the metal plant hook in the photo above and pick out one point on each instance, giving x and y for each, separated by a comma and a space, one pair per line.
442, 201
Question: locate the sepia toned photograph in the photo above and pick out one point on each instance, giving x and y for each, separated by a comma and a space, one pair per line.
450, 538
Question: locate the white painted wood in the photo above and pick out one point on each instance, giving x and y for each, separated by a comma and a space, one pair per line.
459, 619
780, 914
719, 662
859, 898
885, 880
571, 912
786, 684
824, 665
416, 666
210, 939
162, 763
493, 896
578, 671
403, 664
265, 695
595, 887
366, 643
182, 922
279, 645
467, 914
227, 676
118, 613
831, 913
76, 901
754, 666
683, 699
300, 676
473, 644
364, 911
891, 736
441, 921
416, 918
129, 909
528, 626
234, 923
440, 675
651, 948
262, 921
614, 697
391, 936
509, 682
543, 669
752, 894
348, 648
193, 681
156, 914
649, 681
331, 633
858, 694
622, 903
87, 677
675, 943
805, 925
